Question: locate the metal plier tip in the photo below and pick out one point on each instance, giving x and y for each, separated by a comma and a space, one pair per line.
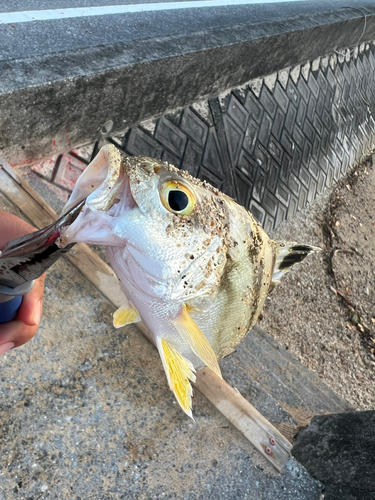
24, 259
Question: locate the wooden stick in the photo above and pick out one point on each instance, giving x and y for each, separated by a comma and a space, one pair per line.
261, 433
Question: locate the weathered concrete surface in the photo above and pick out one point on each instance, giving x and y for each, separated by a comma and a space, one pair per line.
86, 414
339, 450
71, 76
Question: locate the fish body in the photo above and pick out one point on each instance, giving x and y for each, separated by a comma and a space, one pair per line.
195, 266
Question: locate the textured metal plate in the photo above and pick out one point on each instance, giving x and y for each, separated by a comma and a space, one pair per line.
274, 144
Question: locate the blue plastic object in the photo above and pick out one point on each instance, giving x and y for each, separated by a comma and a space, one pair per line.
9, 309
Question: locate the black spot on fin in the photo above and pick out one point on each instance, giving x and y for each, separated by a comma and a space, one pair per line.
291, 259
302, 248
288, 254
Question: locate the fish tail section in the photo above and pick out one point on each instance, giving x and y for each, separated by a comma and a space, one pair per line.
125, 315
179, 371
193, 336
288, 254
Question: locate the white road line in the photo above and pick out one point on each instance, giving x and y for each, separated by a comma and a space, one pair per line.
44, 15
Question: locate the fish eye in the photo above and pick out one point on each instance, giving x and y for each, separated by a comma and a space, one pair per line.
177, 198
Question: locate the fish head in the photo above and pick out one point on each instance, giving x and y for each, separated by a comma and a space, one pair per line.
175, 227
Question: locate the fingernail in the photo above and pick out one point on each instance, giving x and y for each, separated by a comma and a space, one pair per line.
38, 312
6, 347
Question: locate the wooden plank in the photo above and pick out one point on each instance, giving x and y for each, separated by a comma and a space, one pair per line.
12, 187
261, 433
26, 188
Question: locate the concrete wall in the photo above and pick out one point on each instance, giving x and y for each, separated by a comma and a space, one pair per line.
270, 103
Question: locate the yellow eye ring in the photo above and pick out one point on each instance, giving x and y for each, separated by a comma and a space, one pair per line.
177, 198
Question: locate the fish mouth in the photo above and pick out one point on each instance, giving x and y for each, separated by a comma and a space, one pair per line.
104, 183
105, 188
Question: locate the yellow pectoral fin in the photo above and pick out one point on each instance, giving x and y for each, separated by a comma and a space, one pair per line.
179, 371
125, 315
193, 336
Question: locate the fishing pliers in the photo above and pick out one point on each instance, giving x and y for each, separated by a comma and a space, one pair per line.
25, 259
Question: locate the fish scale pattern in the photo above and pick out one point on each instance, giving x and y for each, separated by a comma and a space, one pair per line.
274, 144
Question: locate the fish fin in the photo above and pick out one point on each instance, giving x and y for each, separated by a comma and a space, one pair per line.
193, 336
125, 315
179, 371
288, 254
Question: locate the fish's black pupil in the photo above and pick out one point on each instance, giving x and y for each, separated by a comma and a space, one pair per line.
177, 200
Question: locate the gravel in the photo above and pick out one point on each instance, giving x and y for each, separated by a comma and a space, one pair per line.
323, 311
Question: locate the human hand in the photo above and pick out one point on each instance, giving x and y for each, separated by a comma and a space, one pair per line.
25, 325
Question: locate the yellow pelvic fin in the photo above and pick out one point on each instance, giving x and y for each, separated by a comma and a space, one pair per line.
125, 315
179, 371
193, 336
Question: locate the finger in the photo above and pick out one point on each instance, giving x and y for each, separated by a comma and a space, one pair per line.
25, 326
14, 334
13, 227
30, 310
